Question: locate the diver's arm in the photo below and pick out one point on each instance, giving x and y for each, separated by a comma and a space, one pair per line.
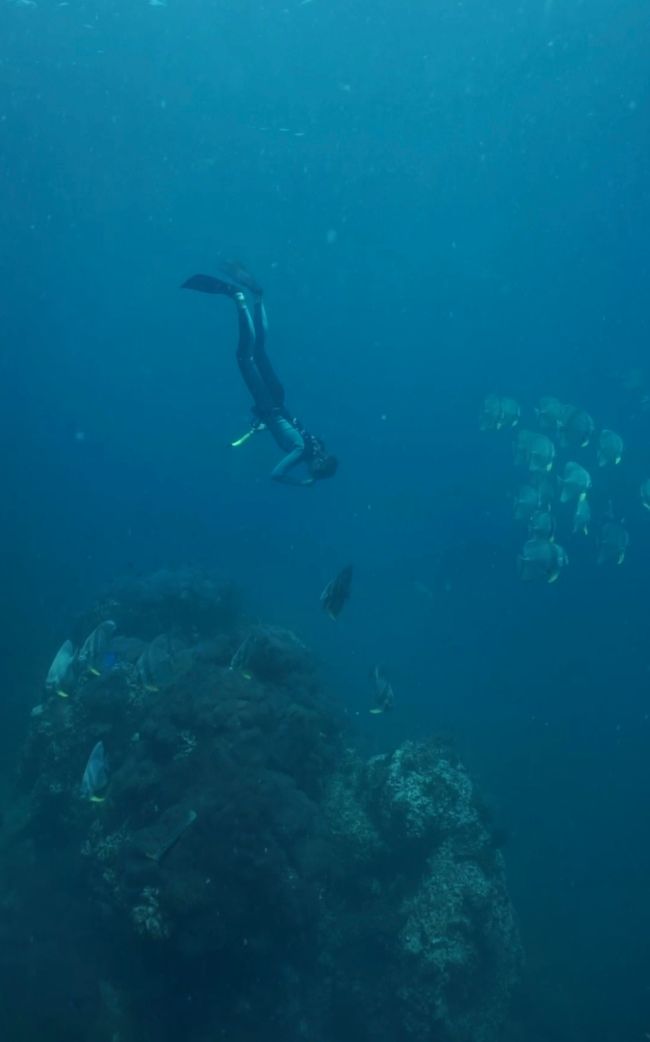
281, 471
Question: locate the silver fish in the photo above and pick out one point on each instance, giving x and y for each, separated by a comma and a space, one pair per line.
575, 482
610, 448
96, 644
163, 660
582, 516
541, 454
95, 776
510, 412
337, 592
613, 543
527, 502
542, 525
491, 417
61, 668
577, 427
242, 654
383, 691
523, 444
550, 413
541, 560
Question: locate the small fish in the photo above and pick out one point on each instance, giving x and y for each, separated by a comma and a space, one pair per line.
95, 776
535, 451
337, 592
541, 559
240, 659
575, 482
490, 419
384, 697
582, 516
95, 647
542, 525
499, 412
550, 413
510, 412
547, 489
527, 502
645, 493
613, 543
541, 454
577, 427
610, 448
163, 659
523, 443
61, 669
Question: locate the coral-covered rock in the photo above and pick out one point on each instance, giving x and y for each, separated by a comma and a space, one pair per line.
241, 874
423, 861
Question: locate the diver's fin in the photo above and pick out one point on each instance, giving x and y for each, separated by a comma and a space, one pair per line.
231, 278
257, 426
233, 271
244, 438
210, 284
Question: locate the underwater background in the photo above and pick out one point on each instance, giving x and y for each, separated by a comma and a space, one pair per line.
441, 201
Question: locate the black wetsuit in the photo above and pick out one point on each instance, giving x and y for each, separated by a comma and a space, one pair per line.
268, 392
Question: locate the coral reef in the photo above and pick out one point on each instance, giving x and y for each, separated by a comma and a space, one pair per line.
426, 860
243, 872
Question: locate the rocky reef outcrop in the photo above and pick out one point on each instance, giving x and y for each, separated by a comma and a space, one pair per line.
433, 917
235, 870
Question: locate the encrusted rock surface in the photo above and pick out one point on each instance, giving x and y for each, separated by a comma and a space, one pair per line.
244, 875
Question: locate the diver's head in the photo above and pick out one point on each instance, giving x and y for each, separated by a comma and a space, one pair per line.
323, 466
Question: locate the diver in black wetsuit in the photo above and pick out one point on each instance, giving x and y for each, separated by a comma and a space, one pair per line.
269, 410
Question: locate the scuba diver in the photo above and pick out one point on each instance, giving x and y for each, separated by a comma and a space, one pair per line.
269, 410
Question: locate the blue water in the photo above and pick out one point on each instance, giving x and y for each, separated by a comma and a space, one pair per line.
441, 201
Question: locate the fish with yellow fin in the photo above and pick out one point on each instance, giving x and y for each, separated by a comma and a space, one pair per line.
95, 647
95, 777
337, 592
610, 449
384, 696
241, 658
613, 543
541, 560
61, 671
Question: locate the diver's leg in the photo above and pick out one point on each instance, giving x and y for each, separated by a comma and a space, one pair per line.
246, 359
260, 323
264, 367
